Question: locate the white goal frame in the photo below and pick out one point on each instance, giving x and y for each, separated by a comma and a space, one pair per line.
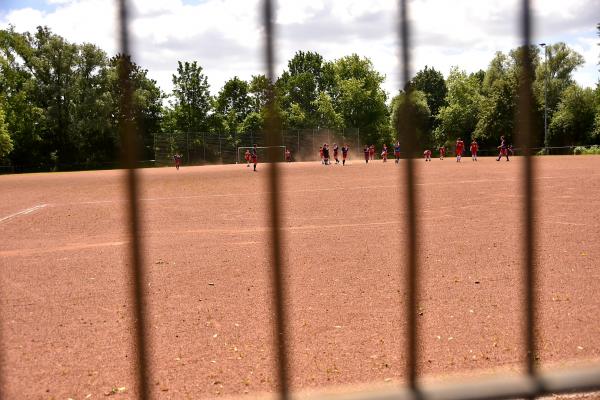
244, 148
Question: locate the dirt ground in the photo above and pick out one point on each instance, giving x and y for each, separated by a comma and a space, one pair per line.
66, 316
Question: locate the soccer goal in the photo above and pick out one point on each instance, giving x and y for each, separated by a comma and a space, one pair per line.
263, 153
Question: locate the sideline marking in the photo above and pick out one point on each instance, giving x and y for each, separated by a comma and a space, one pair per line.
23, 212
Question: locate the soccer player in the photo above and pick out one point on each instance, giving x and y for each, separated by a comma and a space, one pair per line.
474, 148
326, 154
288, 155
177, 159
321, 154
427, 155
503, 149
442, 151
372, 152
345, 149
384, 153
247, 157
397, 152
254, 156
335, 153
367, 152
460, 146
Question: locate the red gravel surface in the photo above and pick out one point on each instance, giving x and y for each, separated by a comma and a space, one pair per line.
66, 318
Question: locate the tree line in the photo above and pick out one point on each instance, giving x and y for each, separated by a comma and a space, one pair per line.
60, 101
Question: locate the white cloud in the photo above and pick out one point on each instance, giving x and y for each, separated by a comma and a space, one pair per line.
224, 36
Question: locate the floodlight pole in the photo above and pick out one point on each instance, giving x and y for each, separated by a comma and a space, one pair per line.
543, 45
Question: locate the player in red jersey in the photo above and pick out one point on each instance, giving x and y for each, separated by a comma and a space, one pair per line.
177, 159
247, 157
427, 155
474, 148
460, 147
384, 153
372, 152
254, 156
288, 155
442, 151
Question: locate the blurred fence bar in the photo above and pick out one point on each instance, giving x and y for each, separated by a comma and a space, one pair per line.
280, 333
130, 162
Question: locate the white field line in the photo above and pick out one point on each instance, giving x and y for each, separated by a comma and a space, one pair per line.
22, 212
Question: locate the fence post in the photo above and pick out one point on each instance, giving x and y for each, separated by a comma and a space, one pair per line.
220, 154
314, 150
357, 139
187, 145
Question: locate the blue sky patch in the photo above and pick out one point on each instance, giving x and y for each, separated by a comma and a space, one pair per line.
43, 5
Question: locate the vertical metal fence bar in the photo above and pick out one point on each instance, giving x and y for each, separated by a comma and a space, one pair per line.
407, 133
272, 124
525, 135
130, 150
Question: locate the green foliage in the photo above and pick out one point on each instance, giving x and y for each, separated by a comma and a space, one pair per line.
419, 116
234, 104
556, 73
592, 150
459, 117
6, 145
192, 98
498, 102
358, 95
432, 84
574, 117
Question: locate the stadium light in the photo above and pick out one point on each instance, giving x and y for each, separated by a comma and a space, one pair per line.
543, 45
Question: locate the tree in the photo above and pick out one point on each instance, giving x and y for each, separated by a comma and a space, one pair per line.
6, 145
459, 117
359, 98
420, 116
234, 104
432, 84
498, 104
192, 97
573, 121
258, 92
558, 70
325, 111
299, 87
147, 101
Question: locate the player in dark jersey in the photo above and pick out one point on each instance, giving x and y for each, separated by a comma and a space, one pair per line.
326, 154
397, 152
335, 153
254, 156
177, 159
345, 150
503, 149
384, 153
367, 152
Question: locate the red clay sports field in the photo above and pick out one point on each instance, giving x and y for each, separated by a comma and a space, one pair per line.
66, 318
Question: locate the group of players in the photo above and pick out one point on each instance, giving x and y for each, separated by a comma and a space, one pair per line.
251, 155
369, 152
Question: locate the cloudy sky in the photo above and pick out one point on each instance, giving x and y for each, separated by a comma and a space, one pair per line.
224, 36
